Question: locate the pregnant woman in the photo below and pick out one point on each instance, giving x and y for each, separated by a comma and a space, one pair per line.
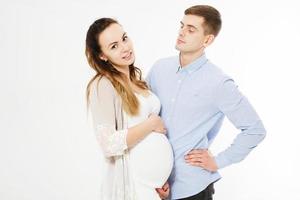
132, 137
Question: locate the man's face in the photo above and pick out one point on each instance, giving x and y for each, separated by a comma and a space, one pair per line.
191, 36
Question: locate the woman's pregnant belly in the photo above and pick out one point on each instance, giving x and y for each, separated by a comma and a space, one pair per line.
151, 160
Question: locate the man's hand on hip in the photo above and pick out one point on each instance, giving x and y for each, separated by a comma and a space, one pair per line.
201, 158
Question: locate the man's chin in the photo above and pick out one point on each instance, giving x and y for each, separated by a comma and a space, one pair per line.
177, 47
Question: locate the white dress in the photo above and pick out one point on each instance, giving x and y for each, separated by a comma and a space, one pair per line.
151, 160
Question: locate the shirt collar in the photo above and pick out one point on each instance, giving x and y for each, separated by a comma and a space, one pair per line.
193, 66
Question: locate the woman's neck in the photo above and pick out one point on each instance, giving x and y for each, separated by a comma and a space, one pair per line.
124, 70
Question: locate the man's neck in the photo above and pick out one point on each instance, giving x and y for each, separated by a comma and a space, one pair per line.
187, 58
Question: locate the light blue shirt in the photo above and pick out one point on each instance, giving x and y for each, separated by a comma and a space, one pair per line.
194, 101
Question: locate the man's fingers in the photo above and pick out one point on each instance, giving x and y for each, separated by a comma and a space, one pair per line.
195, 156
195, 160
197, 151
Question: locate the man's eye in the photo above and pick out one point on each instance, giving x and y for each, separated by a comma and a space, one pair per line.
125, 38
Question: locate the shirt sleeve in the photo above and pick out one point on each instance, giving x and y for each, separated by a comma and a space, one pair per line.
102, 98
150, 78
240, 112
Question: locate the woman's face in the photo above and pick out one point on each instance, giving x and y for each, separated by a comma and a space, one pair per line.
116, 46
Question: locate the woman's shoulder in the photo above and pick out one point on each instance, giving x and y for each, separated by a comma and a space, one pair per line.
103, 85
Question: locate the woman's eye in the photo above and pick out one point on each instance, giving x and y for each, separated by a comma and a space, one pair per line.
125, 38
114, 46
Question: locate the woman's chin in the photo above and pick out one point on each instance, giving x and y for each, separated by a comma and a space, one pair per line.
131, 62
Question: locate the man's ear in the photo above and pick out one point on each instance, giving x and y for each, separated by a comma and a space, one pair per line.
208, 40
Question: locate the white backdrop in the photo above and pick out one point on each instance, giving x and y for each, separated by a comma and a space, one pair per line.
47, 147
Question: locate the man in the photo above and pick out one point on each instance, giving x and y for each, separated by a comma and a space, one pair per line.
195, 96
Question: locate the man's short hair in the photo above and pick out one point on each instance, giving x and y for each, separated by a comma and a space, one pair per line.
212, 18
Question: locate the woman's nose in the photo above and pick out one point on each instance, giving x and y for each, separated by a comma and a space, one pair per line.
125, 47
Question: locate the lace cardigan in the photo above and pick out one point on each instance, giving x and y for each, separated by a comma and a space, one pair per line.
110, 127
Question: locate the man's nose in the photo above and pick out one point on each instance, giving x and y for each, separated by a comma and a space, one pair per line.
181, 32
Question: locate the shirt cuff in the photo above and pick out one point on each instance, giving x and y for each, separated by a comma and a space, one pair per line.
221, 161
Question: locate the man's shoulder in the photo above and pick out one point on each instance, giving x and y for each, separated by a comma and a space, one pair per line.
168, 59
167, 62
215, 74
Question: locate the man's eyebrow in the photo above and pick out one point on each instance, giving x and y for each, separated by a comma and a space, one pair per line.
189, 25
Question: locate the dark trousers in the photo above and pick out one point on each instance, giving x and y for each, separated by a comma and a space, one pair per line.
206, 194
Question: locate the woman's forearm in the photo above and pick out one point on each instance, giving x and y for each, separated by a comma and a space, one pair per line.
139, 132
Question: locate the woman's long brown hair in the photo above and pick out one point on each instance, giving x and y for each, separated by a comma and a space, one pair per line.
102, 68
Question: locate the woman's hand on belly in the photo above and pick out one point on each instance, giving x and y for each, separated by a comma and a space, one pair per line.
157, 123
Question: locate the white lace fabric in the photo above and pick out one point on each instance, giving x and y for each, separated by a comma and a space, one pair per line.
111, 130
112, 142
